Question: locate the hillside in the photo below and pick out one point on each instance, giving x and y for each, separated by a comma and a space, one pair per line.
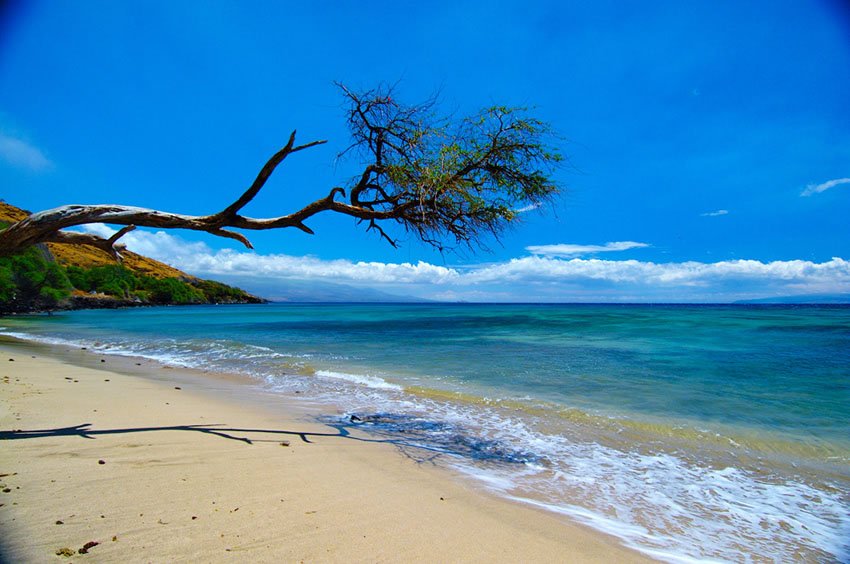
71, 276
86, 256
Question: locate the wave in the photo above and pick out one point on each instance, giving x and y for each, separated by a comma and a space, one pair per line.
360, 379
676, 508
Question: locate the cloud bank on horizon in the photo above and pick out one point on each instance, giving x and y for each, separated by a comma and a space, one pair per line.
538, 277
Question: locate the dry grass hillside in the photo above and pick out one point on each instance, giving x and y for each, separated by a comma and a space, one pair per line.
86, 256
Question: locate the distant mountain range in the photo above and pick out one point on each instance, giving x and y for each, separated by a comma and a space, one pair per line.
801, 299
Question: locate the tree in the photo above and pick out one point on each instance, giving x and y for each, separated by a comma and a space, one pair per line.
439, 178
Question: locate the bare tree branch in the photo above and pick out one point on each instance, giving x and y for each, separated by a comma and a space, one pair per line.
433, 177
108, 245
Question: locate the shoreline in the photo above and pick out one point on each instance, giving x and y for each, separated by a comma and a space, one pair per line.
82, 303
195, 468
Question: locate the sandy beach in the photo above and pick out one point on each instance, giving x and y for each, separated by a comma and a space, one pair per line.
157, 464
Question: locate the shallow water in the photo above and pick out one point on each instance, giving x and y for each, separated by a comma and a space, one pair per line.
692, 432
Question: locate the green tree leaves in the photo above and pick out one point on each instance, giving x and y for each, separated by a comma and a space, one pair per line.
30, 278
444, 178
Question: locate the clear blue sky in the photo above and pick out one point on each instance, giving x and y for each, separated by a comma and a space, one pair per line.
693, 131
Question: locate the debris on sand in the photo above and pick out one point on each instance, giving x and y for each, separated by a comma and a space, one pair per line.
87, 546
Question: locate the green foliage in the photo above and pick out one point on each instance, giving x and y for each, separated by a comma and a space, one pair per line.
120, 282
113, 280
30, 280
217, 292
442, 176
173, 291
7, 282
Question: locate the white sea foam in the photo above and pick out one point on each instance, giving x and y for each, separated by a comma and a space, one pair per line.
39, 339
360, 379
670, 507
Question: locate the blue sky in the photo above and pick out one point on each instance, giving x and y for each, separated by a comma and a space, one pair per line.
709, 142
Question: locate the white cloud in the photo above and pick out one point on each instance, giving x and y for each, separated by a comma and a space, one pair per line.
824, 186
307, 268
198, 258
715, 213
569, 250
547, 278
528, 208
158, 245
22, 154
650, 273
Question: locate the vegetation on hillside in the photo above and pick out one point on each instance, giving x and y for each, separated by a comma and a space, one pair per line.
37, 280
120, 282
31, 281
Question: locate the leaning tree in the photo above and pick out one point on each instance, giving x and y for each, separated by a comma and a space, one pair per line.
445, 180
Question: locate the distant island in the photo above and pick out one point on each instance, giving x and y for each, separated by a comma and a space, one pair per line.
56, 276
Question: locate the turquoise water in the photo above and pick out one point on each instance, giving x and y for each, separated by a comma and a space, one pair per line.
692, 432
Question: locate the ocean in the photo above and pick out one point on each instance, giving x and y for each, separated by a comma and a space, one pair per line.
691, 432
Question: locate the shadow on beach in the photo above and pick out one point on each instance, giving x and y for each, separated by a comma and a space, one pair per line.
418, 439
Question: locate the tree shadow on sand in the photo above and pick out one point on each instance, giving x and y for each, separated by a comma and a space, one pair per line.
86, 431
418, 439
